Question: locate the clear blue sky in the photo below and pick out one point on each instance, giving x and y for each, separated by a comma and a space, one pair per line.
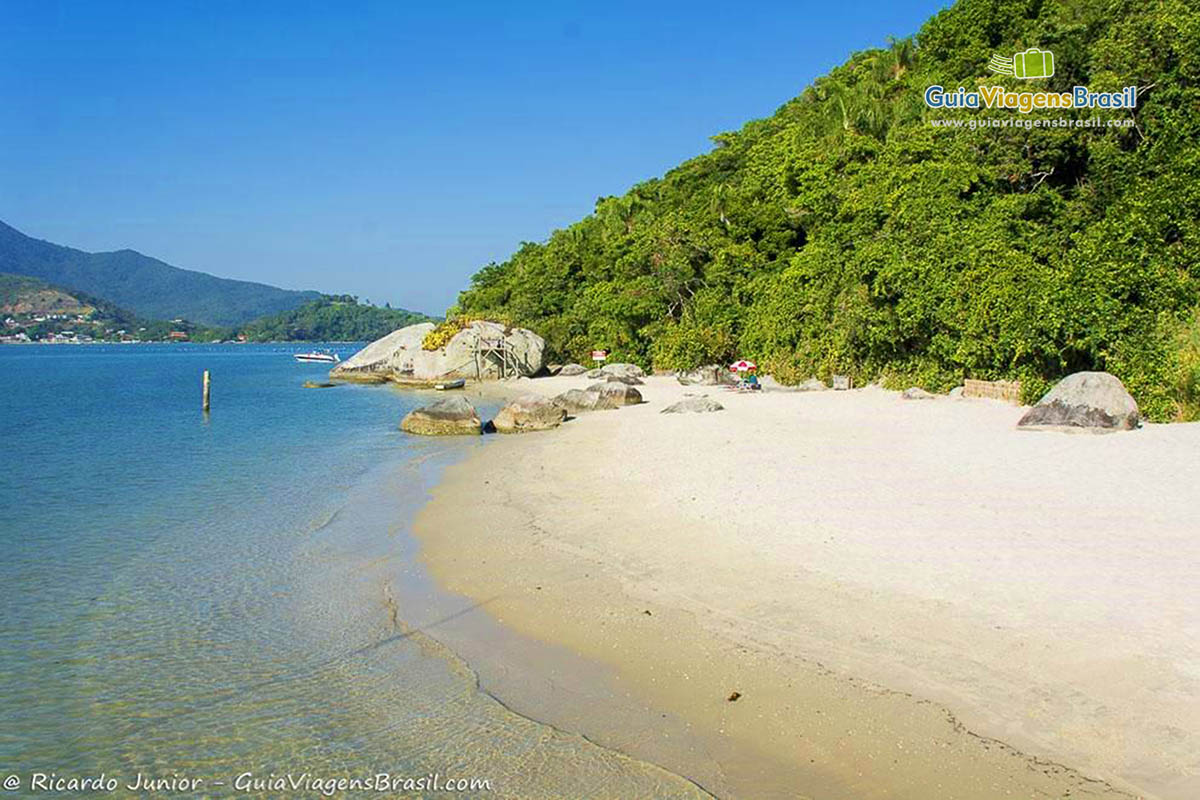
380, 149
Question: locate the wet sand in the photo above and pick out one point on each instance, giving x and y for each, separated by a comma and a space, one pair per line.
913, 599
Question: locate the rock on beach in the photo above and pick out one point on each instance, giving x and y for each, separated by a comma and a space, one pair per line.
453, 416
1094, 401
696, 405
529, 412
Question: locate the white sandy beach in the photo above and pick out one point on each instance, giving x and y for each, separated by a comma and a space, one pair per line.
913, 598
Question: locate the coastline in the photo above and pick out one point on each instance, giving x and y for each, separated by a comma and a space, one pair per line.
930, 629
364, 558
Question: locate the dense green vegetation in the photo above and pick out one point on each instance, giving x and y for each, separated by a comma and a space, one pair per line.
332, 318
847, 234
145, 285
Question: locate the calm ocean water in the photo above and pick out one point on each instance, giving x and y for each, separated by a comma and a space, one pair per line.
207, 597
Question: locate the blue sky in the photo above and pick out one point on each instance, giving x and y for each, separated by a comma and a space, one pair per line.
381, 149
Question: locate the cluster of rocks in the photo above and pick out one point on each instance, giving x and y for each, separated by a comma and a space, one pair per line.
528, 412
1082, 401
614, 390
598, 397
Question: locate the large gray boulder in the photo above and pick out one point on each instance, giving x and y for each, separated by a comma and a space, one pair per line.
449, 417
693, 405
915, 393
610, 394
1085, 400
628, 380
529, 412
574, 401
401, 357
709, 375
571, 370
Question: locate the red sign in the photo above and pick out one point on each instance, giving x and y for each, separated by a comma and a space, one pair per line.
599, 355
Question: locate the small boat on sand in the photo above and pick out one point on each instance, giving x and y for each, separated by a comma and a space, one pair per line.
324, 357
454, 384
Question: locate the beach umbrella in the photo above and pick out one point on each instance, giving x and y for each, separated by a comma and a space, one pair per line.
743, 366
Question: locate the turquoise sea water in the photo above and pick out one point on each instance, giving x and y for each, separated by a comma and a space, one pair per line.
204, 597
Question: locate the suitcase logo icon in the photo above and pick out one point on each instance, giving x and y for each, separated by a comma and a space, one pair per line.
1032, 63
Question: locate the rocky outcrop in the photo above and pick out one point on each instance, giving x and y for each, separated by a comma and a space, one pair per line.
628, 380
1085, 400
401, 357
448, 417
710, 375
916, 393
318, 385
611, 394
693, 405
571, 370
529, 412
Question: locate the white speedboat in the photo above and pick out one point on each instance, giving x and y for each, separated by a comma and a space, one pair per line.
322, 357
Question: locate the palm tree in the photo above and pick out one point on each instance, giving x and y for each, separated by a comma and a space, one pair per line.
719, 202
902, 53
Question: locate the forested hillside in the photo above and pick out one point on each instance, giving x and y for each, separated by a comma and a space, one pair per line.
848, 234
332, 318
145, 285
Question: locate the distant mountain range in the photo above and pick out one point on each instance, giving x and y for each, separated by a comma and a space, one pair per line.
33, 310
145, 285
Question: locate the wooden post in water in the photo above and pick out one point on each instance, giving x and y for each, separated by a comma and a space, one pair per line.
207, 384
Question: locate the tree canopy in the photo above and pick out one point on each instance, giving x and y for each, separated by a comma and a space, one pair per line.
847, 233
332, 318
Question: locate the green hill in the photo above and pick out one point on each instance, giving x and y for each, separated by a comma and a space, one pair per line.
849, 234
21, 295
40, 310
332, 318
147, 286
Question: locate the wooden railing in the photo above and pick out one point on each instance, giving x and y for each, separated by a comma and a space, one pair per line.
1009, 391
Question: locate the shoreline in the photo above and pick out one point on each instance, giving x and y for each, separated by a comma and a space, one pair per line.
573, 535
367, 541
